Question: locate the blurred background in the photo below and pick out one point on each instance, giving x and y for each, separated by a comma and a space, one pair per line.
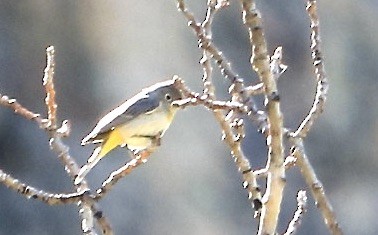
106, 51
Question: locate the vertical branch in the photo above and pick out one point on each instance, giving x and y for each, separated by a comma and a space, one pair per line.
204, 42
276, 170
315, 186
48, 83
55, 139
203, 33
321, 77
86, 205
56, 144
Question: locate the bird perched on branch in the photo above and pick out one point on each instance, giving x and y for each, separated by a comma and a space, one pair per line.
138, 123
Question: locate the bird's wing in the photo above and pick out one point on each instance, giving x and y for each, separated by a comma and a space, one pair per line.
124, 113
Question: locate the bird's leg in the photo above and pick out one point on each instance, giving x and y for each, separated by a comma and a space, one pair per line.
155, 142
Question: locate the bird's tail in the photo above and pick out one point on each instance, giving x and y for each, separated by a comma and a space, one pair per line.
92, 161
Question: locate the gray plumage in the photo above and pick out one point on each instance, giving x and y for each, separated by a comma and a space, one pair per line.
140, 120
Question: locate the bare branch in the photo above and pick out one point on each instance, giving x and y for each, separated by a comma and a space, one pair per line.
32, 192
315, 186
321, 77
263, 173
205, 43
195, 99
231, 115
212, 7
210, 51
102, 221
56, 144
115, 176
22, 111
257, 89
48, 83
290, 161
298, 215
276, 65
261, 64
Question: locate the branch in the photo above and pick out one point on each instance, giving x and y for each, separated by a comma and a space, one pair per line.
206, 44
195, 99
22, 111
263, 173
48, 83
203, 32
261, 64
115, 176
257, 89
32, 192
315, 186
298, 215
321, 77
26, 190
276, 66
56, 144
55, 140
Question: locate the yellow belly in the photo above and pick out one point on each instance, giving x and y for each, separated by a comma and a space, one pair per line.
135, 134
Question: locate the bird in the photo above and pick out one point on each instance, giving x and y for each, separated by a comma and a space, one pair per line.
138, 123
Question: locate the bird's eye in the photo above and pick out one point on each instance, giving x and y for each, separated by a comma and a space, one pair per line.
168, 97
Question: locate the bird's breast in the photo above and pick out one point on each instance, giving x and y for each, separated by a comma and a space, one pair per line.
148, 124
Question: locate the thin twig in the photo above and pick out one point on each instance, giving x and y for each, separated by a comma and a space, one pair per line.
55, 134
115, 176
263, 173
205, 43
56, 143
48, 83
257, 89
261, 64
299, 213
62, 150
203, 32
321, 77
195, 99
32, 192
22, 111
276, 65
315, 186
